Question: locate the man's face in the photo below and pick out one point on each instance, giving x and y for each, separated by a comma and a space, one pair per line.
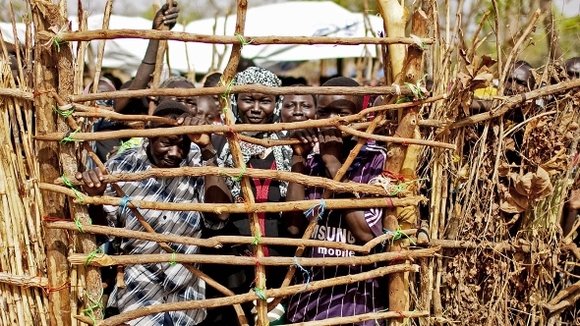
105, 87
207, 109
168, 151
519, 81
330, 106
298, 108
189, 102
256, 108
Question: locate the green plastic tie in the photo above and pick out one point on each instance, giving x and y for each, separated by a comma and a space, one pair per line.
92, 255
65, 111
95, 305
242, 39
79, 225
173, 261
416, 90
239, 177
261, 294
257, 240
70, 137
398, 234
227, 93
68, 183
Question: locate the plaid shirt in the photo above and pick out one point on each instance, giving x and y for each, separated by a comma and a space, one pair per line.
152, 284
341, 300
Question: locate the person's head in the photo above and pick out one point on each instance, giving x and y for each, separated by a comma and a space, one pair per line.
257, 108
298, 107
12, 58
572, 66
245, 64
520, 79
168, 151
207, 109
105, 85
329, 106
212, 79
179, 82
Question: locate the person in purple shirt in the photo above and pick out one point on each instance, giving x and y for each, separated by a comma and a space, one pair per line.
348, 226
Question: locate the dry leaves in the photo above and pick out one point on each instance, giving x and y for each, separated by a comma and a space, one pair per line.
525, 189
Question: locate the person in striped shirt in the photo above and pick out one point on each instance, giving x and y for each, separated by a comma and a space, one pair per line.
152, 284
348, 226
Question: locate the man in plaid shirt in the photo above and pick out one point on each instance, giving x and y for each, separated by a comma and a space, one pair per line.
151, 284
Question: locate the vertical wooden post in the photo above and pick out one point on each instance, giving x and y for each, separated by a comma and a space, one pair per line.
53, 204
402, 160
55, 71
228, 75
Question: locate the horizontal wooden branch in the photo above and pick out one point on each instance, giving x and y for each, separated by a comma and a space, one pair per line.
16, 93
80, 136
495, 246
253, 88
241, 298
363, 317
24, 281
107, 34
108, 260
86, 111
516, 100
396, 140
268, 207
309, 181
219, 241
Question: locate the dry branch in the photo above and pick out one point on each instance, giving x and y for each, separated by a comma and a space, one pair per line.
16, 93
108, 260
188, 92
363, 317
99, 34
238, 157
24, 281
516, 100
504, 246
309, 181
398, 140
231, 128
219, 241
529, 28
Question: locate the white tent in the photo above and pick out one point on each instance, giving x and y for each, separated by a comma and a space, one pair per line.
8, 32
125, 54
295, 18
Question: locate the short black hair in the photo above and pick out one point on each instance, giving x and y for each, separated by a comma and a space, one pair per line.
573, 67
167, 108
341, 81
212, 79
521, 63
345, 82
526, 65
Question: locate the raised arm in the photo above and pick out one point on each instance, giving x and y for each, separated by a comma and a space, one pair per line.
164, 18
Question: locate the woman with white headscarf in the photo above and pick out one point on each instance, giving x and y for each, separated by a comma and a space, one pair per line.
253, 108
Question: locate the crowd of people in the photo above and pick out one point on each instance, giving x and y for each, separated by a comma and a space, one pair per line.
321, 152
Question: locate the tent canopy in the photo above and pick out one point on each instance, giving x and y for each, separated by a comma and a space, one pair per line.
295, 18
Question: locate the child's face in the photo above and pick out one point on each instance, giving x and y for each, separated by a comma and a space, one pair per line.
330, 106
